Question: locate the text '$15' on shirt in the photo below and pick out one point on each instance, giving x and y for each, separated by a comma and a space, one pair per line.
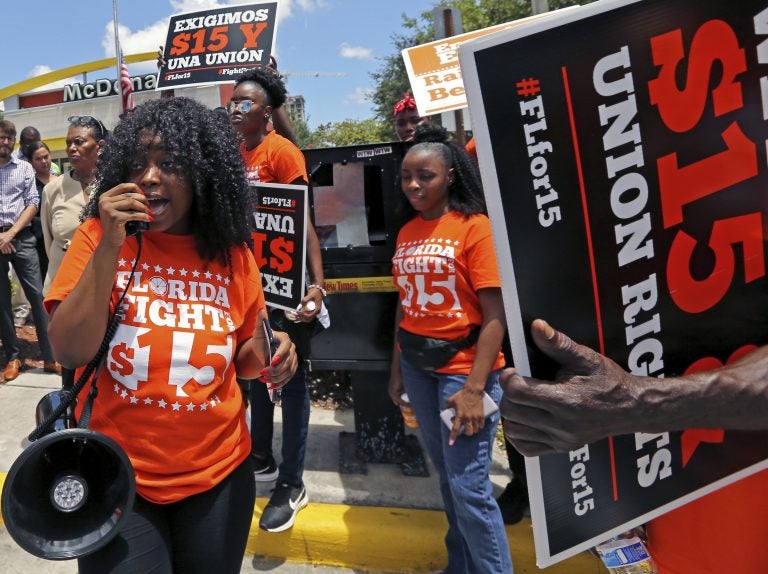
168, 393
438, 267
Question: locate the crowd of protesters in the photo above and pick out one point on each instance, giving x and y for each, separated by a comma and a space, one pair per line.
173, 164
80, 212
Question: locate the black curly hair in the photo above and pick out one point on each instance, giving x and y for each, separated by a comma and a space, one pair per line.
465, 194
204, 147
269, 81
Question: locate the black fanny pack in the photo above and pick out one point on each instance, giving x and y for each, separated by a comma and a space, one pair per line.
430, 354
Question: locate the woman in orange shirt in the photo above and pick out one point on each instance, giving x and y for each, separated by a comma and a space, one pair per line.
190, 321
271, 158
450, 291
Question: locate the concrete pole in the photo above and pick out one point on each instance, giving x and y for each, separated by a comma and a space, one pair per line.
539, 6
461, 136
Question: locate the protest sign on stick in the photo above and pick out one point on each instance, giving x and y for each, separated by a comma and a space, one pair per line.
434, 72
216, 46
279, 223
623, 155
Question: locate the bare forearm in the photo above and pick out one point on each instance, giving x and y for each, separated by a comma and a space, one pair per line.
282, 123
314, 256
489, 341
78, 324
592, 397
733, 397
488, 347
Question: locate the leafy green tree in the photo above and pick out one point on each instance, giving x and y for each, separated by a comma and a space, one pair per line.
349, 132
391, 78
304, 136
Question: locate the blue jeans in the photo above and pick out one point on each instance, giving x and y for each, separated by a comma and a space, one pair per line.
295, 404
476, 540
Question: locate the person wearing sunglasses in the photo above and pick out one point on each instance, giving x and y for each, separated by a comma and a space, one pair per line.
271, 158
64, 198
19, 201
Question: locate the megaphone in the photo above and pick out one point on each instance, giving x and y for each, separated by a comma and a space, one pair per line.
68, 493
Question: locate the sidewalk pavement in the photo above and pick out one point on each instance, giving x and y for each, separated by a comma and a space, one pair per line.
382, 521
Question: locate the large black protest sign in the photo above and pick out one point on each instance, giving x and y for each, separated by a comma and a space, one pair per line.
623, 153
279, 229
216, 46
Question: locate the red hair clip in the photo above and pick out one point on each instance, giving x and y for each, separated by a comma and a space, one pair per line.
407, 103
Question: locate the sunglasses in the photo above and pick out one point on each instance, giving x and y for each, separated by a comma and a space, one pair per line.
88, 121
244, 105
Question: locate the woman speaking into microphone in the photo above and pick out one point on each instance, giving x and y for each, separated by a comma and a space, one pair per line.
190, 321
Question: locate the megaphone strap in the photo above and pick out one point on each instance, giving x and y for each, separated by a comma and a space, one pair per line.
114, 321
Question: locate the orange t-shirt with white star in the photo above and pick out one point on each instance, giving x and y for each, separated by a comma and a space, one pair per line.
438, 267
167, 391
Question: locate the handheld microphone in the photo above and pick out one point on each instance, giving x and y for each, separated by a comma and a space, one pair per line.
134, 227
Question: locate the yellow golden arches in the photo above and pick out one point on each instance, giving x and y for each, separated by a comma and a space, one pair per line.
45, 79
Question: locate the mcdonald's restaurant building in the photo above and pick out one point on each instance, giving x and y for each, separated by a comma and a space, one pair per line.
48, 110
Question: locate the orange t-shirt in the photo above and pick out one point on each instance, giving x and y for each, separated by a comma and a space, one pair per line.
168, 393
471, 147
438, 267
725, 531
275, 160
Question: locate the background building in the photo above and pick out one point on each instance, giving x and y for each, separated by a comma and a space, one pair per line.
295, 106
48, 110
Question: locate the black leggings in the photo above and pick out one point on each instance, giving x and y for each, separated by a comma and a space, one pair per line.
204, 533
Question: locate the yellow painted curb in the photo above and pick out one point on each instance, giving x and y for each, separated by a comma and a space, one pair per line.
381, 538
389, 539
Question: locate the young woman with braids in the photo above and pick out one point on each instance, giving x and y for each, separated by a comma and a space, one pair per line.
190, 322
446, 272
513, 501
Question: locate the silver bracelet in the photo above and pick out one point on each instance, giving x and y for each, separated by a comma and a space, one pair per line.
317, 287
